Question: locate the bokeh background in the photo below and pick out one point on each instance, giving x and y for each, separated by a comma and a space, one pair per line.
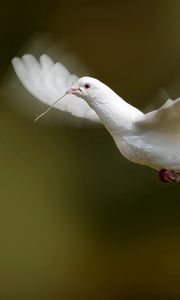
77, 220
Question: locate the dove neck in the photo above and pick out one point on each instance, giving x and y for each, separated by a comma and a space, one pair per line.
115, 113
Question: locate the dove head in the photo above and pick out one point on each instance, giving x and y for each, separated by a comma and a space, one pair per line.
88, 88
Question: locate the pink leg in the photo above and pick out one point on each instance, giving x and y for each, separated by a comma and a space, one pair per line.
169, 176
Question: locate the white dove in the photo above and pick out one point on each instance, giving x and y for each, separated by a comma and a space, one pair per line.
151, 139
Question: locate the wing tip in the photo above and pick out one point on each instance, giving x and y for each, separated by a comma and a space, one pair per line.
16, 63
16, 60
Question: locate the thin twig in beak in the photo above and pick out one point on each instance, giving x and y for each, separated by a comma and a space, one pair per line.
49, 108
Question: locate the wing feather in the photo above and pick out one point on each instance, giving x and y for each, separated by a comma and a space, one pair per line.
48, 81
166, 118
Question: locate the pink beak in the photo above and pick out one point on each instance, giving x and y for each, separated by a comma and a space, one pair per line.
72, 90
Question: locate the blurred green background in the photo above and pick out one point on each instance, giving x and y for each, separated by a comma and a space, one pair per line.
77, 220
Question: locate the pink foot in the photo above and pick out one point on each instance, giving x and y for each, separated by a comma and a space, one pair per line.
169, 176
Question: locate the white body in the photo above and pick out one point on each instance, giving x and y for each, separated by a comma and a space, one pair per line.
151, 139
156, 147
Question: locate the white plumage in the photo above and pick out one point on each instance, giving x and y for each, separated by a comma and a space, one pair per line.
48, 81
151, 139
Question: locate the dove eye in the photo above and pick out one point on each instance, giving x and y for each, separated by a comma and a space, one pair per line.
87, 85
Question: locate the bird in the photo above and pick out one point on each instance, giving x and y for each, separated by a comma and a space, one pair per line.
151, 139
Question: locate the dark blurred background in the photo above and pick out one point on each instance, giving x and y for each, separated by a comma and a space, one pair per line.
77, 220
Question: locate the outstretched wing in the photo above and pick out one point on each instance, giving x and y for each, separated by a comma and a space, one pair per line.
164, 119
48, 81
